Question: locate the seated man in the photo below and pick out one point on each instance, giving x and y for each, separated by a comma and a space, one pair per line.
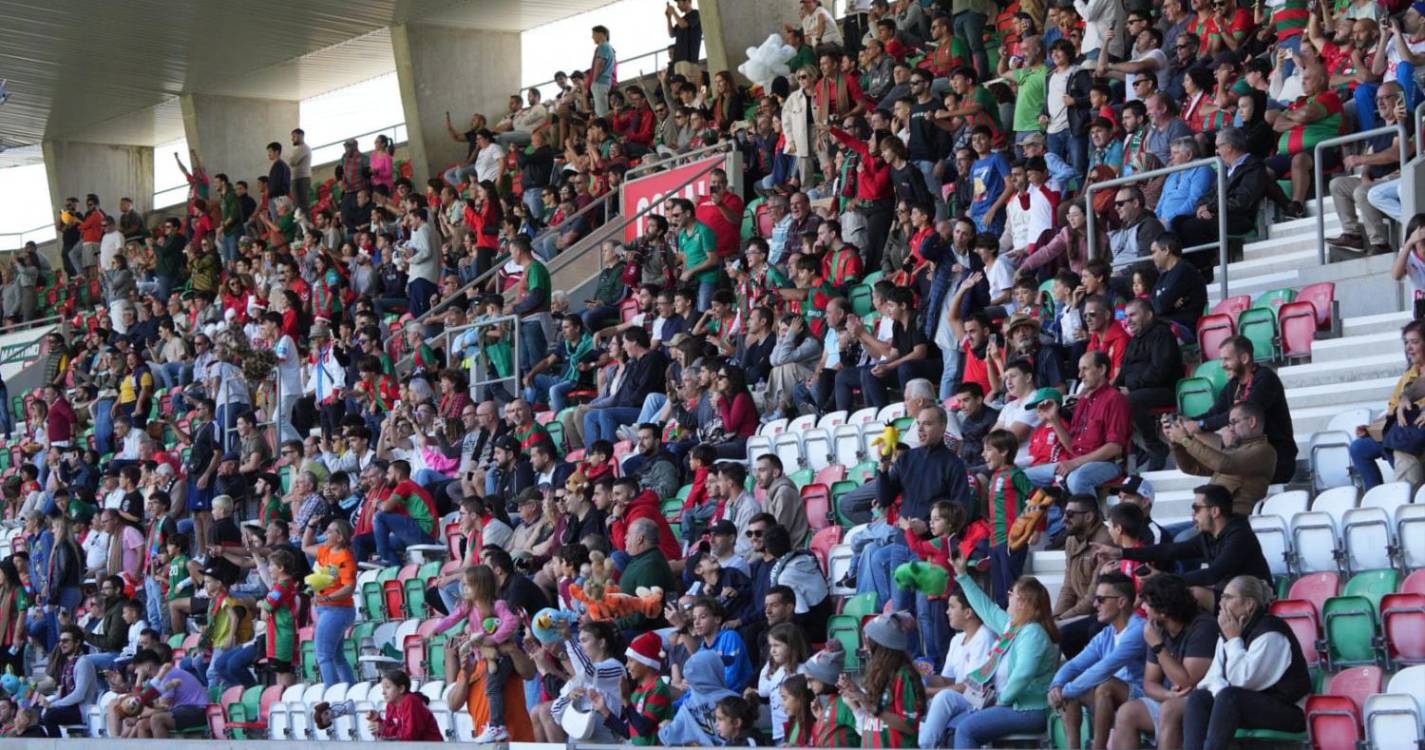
1258, 674
1152, 365
1226, 542
1238, 458
898, 361
407, 517
1180, 640
1097, 437
1108, 671
1246, 186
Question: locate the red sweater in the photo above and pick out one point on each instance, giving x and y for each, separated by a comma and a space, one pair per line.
646, 505
739, 417
410, 720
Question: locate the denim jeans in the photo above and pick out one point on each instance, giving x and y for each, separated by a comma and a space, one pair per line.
532, 345
514, 138
394, 533
1364, 452
877, 568
1005, 568
983, 727
970, 26
946, 706
171, 374
927, 170
234, 667
455, 176
332, 624
229, 249
599, 92
103, 426
1084, 480
153, 594
7, 420
949, 372
418, 294
1385, 196
934, 629
603, 424
216, 679
556, 387
652, 404
705, 294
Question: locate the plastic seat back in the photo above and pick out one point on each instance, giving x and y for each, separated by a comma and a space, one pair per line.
1366, 535
1300, 616
1373, 585
822, 542
1357, 684
1274, 299
832, 420
1195, 397
838, 564
1274, 538
758, 446
1410, 531
1393, 721
802, 423
1333, 722
1212, 331
831, 474
1322, 296
1287, 504
1403, 625
1348, 420
1313, 536
862, 416
1213, 372
1232, 306
846, 444
1316, 588
1297, 321
816, 444
816, 498
773, 428
1349, 625
788, 447
1259, 325
1335, 502
847, 630
1330, 460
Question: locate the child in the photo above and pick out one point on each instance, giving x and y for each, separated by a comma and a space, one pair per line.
1068, 321
797, 702
835, 724
596, 464
1008, 488
280, 607
1023, 297
729, 586
947, 519
698, 507
890, 705
786, 651
594, 670
180, 584
737, 722
651, 702
567, 566
479, 604
1144, 279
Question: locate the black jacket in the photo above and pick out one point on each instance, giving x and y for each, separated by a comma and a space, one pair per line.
644, 376
1152, 359
1235, 552
1246, 186
1264, 390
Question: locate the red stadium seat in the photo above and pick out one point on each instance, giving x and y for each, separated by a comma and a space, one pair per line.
822, 543
1316, 588
830, 475
817, 500
1334, 718
395, 593
1212, 330
1403, 623
1323, 297
764, 221
1413, 583
1304, 619
1297, 323
628, 309
1233, 306
414, 651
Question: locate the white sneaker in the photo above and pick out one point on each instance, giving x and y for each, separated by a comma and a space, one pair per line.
493, 733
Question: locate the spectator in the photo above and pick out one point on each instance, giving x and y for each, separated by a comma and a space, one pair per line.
641, 376
1226, 542
1137, 228
1097, 437
1238, 458
574, 346
798, 569
1363, 227
1249, 381
646, 566
1246, 185
334, 607
1269, 678
1152, 365
1083, 524
1109, 671
783, 501
1183, 189
1180, 294
76, 685
1401, 440
904, 358
1180, 640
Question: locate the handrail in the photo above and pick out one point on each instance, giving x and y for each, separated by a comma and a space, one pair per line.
1216, 163
602, 202
653, 54
475, 383
1419, 114
625, 221
690, 156
1400, 139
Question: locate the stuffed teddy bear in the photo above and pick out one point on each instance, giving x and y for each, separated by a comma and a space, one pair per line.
603, 598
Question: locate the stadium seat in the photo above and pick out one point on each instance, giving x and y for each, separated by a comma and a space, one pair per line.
1297, 322
838, 564
1232, 307
862, 416
1195, 397
1259, 325
822, 542
1412, 542
788, 447
1212, 330
1275, 540
1403, 628
846, 444
1315, 535
832, 420
831, 474
1316, 588
1330, 460
817, 500
861, 302
1300, 615
847, 630
757, 446
1333, 718
1322, 297
1350, 621
816, 446
628, 309
1211, 370
802, 423
1368, 531
1273, 299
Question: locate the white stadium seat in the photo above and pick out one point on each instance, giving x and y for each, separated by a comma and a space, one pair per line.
846, 444
1368, 531
1330, 460
816, 445
788, 447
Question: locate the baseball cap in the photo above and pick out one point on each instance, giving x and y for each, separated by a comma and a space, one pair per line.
723, 528
1137, 485
1045, 394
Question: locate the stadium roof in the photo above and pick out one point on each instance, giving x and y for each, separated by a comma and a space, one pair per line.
111, 72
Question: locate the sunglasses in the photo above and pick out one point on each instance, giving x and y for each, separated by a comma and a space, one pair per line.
753, 534
1122, 202
1101, 599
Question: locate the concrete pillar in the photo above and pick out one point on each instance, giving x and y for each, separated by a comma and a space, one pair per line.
731, 26
460, 71
111, 172
231, 133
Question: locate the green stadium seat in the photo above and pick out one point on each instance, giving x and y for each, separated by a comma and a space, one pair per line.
1259, 324
1351, 621
1195, 397
1212, 371
802, 477
847, 629
861, 303
1274, 299
860, 605
416, 596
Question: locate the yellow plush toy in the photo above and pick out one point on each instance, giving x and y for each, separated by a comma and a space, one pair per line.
889, 439
321, 577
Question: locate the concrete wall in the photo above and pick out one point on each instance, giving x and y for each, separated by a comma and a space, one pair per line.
111, 172
731, 26
460, 71
231, 133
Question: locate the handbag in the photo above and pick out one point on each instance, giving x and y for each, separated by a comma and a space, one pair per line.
979, 695
712, 432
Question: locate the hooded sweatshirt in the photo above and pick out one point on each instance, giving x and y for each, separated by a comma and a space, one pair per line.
647, 505
694, 724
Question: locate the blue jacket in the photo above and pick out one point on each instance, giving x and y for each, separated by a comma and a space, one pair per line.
922, 476
940, 251
1101, 659
1181, 192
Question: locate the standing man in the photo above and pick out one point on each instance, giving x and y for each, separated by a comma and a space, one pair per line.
228, 232
354, 173
279, 178
423, 253
685, 25
300, 160
721, 210
91, 234
289, 370
698, 246
601, 73
532, 298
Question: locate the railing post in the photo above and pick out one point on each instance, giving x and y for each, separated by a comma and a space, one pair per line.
1318, 173
1213, 161
1221, 168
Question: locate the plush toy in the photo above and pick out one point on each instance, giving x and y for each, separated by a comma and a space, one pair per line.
767, 61
889, 439
1030, 519
576, 483
546, 624
603, 598
321, 577
928, 578
18, 688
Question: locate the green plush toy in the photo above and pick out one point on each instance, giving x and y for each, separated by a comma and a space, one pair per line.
927, 578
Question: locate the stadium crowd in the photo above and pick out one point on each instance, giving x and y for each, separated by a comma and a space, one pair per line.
290, 383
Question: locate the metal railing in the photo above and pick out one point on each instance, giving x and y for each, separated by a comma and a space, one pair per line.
1217, 164
549, 88
1419, 115
675, 160
477, 379
1401, 140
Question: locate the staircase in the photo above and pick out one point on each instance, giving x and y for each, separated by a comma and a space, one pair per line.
1358, 369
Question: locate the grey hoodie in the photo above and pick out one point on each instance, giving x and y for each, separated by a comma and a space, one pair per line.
694, 724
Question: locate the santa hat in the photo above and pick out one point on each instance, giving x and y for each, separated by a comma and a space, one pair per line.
647, 649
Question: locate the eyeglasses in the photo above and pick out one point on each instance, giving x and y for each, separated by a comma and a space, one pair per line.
66, 640
1184, 46
1068, 513
1197, 507
753, 533
1123, 202
1101, 599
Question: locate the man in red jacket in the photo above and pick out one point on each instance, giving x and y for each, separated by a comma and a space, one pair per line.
629, 505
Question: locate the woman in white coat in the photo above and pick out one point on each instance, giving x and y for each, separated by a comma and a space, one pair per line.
799, 120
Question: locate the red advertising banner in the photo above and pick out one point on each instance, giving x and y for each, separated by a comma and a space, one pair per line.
652, 190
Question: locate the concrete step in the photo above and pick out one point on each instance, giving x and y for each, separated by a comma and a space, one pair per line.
1355, 346
1252, 284
1316, 419
1287, 244
1285, 258
1306, 225
1345, 371
1334, 395
1368, 324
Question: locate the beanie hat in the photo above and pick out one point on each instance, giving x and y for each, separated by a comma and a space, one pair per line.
647, 649
825, 665
886, 631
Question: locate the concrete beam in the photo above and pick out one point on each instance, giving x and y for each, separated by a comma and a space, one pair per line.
460, 71
111, 172
231, 133
731, 26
